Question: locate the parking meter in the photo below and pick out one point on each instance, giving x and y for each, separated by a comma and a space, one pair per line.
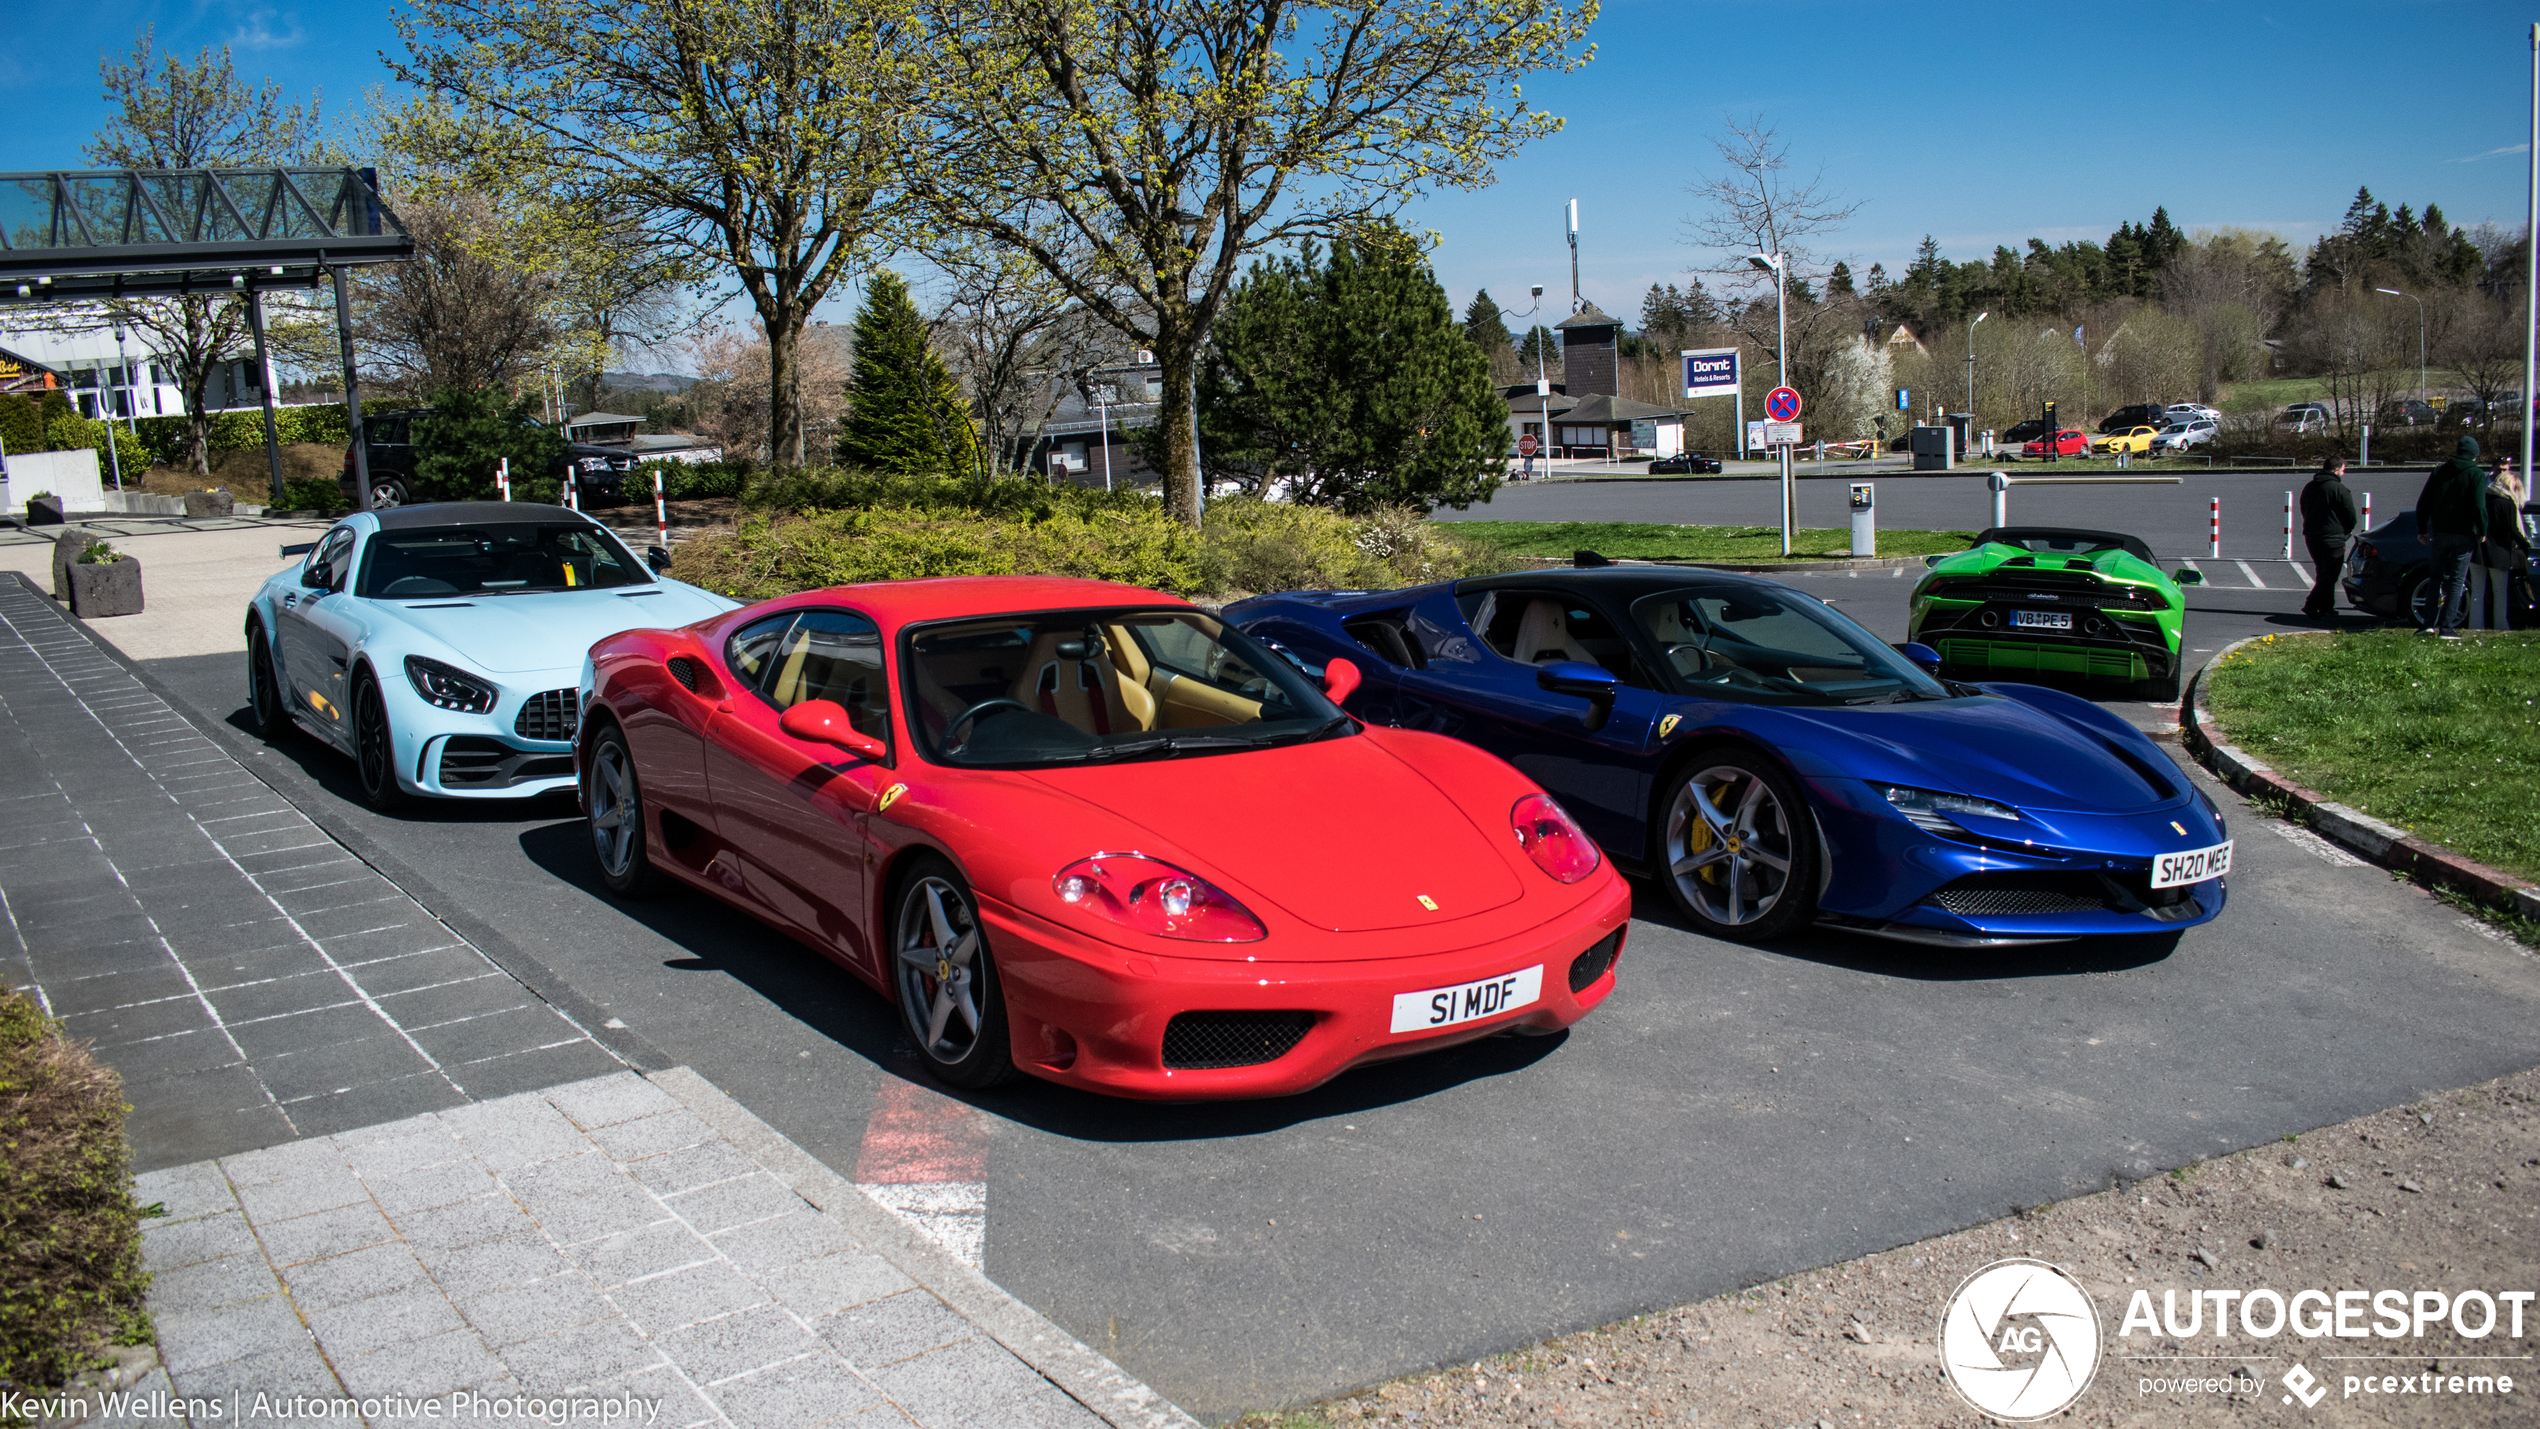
1865, 523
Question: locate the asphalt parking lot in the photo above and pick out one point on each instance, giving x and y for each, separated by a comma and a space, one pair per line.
1732, 1115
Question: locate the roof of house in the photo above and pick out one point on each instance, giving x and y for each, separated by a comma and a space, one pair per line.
600, 419
1601, 408
1588, 316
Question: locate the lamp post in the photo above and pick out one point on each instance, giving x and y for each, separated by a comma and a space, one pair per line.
2531, 257
1543, 389
1778, 264
2420, 302
123, 375
1971, 364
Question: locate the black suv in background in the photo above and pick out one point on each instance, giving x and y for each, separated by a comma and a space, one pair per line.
598, 472
2141, 414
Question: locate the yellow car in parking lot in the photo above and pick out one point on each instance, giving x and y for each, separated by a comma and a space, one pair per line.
2132, 439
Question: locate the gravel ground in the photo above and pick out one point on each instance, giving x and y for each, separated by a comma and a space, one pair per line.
2441, 1195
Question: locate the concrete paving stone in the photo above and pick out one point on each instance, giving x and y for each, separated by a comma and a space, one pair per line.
243, 949
230, 1280
282, 1372
111, 1027
70, 995
356, 1275
517, 1029
326, 1233
356, 918
311, 987
488, 1218
183, 1055
316, 1188
570, 1359
615, 1260
565, 1177
329, 871
384, 978
276, 1165
430, 1367
261, 849
385, 932
689, 1167
884, 1415
184, 1192
381, 1057
699, 1292
737, 1344
467, 1272
515, 1131
210, 1337
421, 1190
58, 955
92, 907
423, 1010
818, 1288
166, 1245
541, 1307
733, 1203
275, 1037
150, 1390
46, 833
652, 1135
401, 1146
517, 1072
802, 1395
374, 1102
979, 1382
89, 936
605, 1101
383, 1320
676, 1402
615, 1211
802, 1234
186, 1120
892, 1329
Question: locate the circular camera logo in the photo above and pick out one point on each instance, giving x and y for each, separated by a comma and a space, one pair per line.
2020, 1339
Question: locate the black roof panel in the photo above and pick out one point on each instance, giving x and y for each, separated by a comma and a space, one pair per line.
426, 515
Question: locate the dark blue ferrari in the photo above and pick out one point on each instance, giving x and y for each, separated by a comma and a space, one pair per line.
1771, 763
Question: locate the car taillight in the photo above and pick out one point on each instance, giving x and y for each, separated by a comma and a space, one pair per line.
1545, 831
1149, 895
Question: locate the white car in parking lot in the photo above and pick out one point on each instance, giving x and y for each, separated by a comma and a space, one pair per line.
2179, 436
2192, 412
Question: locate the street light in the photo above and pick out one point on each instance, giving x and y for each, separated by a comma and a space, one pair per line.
1778, 265
1971, 366
123, 375
1543, 388
2420, 302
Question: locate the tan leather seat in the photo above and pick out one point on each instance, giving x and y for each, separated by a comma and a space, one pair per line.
1084, 691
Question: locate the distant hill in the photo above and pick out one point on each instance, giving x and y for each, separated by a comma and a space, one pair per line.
644, 382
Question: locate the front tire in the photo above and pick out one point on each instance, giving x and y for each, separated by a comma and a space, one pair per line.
1738, 847
616, 803
947, 984
387, 493
266, 703
375, 748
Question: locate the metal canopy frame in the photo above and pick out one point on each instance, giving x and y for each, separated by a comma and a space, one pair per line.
103, 234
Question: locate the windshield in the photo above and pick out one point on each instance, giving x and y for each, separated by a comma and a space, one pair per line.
1096, 686
1775, 646
495, 558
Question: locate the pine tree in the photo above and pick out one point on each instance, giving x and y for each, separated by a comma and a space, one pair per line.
1839, 282
1482, 324
907, 413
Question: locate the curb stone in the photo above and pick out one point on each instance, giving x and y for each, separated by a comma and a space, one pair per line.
2351, 829
1087, 1376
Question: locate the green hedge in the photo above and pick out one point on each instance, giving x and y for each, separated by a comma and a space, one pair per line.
71, 1282
233, 431
837, 489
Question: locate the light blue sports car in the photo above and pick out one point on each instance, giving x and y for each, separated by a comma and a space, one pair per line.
441, 645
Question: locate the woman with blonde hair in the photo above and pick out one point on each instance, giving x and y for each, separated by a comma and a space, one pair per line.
2503, 553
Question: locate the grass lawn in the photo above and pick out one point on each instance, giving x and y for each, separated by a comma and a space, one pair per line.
2274, 394
2442, 739
1653, 541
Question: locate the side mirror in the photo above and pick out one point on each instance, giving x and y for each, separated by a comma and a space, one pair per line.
1924, 657
1340, 680
657, 559
825, 722
1576, 677
2189, 575
320, 576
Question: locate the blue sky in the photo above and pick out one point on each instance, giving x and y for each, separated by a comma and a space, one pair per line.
1977, 124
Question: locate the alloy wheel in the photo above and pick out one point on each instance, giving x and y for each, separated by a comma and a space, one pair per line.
617, 819
941, 971
1729, 845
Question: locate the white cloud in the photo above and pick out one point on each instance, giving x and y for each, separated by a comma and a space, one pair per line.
2492, 153
267, 30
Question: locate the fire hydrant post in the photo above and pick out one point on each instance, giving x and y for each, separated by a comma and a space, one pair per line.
1865, 520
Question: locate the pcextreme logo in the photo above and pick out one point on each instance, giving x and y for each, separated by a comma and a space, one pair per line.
2020, 1340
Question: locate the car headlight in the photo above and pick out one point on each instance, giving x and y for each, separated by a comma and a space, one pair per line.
1931, 808
1149, 895
595, 463
447, 688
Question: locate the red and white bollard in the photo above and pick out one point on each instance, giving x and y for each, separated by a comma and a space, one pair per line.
2214, 533
2288, 525
572, 489
2367, 510
503, 477
661, 513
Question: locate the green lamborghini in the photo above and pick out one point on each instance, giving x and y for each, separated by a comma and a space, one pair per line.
2045, 599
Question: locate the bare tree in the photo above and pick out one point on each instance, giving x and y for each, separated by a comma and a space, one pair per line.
1753, 205
1020, 342
2234, 285
173, 114
457, 315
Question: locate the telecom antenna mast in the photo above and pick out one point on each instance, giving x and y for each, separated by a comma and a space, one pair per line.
1574, 256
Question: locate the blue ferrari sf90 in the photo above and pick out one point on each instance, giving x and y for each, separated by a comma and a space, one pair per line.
1772, 764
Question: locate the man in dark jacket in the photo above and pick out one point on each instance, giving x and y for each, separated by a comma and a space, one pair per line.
2328, 519
2452, 517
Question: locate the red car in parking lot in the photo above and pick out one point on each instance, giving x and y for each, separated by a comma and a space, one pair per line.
2072, 441
1092, 833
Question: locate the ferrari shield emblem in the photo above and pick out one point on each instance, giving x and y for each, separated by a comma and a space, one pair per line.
1427, 902
1667, 726
889, 797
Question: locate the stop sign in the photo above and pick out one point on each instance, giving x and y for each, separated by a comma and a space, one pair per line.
1526, 445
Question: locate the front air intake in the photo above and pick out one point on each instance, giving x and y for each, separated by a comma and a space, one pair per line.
1196, 1041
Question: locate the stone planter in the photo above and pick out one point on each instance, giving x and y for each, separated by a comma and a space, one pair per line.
43, 511
67, 544
210, 503
106, 588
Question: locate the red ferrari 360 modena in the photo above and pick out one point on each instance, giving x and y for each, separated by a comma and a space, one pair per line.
1093, 833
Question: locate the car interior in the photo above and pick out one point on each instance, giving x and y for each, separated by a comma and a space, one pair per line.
1755, 642
497, 559
816, 655
1534, 628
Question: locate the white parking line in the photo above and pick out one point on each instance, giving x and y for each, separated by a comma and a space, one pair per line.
2314, 844
2246, 570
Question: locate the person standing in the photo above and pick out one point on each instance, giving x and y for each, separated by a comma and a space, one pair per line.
2503, 553
2452, 518
2328, 520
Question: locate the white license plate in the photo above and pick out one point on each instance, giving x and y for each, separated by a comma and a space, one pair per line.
2193, 866
1470, 1002
2042, 619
